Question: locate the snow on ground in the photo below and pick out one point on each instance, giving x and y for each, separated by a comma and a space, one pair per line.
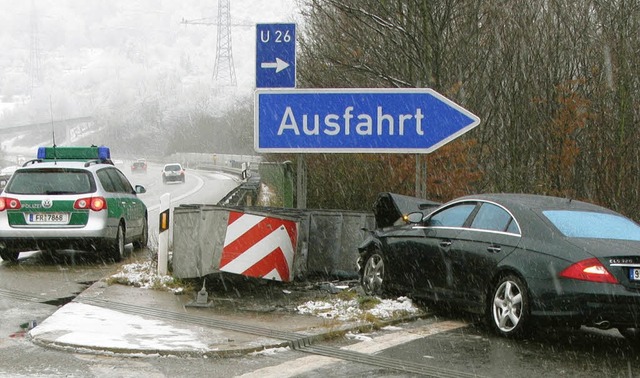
143, 275
92, 326
75, 324
351, 309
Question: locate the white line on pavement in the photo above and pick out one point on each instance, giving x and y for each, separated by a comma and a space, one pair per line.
306, 364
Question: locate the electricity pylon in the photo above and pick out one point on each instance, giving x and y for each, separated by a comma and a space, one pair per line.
35, 73
224, 72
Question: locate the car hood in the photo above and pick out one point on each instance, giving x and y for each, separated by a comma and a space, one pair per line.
607, 247
390, 207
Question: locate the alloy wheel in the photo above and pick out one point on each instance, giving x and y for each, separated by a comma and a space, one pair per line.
509, 306
373, 275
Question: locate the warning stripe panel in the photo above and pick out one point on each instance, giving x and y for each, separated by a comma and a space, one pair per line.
258, 246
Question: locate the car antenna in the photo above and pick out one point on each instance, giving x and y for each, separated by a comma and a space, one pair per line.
53, 133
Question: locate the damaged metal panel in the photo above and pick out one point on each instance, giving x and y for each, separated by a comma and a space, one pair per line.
326, 241
334, 237
198, 239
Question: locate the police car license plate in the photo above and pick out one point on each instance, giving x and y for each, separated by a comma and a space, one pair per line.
48, 218
634, 274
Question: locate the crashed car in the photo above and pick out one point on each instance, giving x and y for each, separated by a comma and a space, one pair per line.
517, 259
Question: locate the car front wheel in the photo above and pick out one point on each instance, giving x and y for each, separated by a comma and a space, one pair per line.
508, 307
373, 274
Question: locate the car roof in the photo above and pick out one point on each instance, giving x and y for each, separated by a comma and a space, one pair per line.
521, 202
65, 164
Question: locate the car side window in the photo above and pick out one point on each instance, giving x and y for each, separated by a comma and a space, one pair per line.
491, 217
116, 180
105, 180
453, 216
124, 182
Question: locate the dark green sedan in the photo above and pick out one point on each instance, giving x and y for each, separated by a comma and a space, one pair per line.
518, 259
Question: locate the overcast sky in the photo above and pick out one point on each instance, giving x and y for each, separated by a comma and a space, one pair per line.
85, 43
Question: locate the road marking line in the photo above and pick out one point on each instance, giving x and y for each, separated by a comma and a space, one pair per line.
306, 364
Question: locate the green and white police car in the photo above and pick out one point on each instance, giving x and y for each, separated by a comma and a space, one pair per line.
71, 198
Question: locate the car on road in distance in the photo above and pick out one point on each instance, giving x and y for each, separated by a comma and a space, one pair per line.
71, 198
3, 181
139, 166
173, 172
519, 260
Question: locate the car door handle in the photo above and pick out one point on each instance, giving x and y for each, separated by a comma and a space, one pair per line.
445, 243
494, 249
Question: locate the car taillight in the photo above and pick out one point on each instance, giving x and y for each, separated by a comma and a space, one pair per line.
7, 203
93, 203
589, 270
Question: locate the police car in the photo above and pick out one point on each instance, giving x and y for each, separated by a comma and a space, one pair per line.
71, 198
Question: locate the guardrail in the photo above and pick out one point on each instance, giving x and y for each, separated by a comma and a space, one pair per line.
270, 243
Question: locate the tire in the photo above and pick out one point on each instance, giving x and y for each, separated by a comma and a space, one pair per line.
115, 249
144, 238
373, 274
9, 255
508, 307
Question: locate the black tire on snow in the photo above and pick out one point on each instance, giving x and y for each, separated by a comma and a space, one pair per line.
144, 238
115, 248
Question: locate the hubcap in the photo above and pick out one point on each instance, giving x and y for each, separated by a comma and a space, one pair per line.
507, 306
373, 274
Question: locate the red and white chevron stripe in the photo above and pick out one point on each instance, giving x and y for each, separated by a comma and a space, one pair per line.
258, 246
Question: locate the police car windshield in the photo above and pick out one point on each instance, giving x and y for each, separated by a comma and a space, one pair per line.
51, 181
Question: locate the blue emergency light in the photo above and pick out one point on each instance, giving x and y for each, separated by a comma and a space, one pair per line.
74, 153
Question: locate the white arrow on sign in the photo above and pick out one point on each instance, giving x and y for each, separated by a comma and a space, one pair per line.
279, 65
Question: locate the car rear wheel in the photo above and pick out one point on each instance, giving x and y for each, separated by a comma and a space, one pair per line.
9, 255
373, 274
508, 307
144, 238
115, 249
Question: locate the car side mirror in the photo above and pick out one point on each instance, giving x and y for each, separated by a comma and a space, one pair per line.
415, 217
140, 189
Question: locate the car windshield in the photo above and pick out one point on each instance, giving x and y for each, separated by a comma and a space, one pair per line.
51, 181
174, 167
586, 224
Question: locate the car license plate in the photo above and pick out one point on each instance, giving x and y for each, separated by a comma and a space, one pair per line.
48, 218
634, 274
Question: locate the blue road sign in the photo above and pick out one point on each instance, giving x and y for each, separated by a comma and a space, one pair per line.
357, 120
275, 55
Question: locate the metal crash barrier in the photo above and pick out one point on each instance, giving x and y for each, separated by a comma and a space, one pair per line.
271, 243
